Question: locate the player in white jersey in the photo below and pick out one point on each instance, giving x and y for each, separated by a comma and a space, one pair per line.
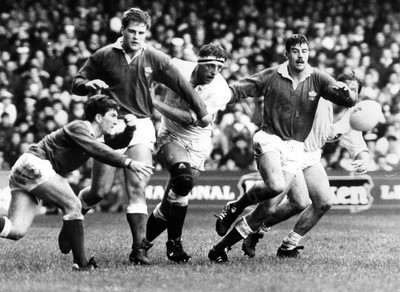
331, 123
183, 146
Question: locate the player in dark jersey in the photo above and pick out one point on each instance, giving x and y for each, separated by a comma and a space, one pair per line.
127, 70
291, 94
38, 175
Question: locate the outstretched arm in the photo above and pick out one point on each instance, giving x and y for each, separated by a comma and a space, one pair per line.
182, 116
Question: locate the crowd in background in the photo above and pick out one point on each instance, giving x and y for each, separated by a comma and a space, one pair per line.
43, 43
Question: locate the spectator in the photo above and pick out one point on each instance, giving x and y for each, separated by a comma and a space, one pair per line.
241, 155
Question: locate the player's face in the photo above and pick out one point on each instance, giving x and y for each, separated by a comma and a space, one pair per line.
353, 85
108, 121
207, 72
298, 57
134, 35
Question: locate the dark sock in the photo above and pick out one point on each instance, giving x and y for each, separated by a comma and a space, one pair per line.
155, 227
137, 223
230, 239
176, 219
242, 203
73, 229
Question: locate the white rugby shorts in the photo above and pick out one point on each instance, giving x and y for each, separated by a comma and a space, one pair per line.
310, 158
291, 151
29, 171
197, 150
145, 133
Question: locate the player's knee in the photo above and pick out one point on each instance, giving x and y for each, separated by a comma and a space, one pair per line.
275, 187
324, 206
301, 204
182, 181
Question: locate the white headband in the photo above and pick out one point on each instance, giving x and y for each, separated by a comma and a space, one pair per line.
211, 60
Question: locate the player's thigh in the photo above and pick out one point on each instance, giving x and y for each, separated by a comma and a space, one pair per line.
22, 210
298, 194
171, 153
318, 185
57, 191
103, 176
196, 174
135, 185
269, 166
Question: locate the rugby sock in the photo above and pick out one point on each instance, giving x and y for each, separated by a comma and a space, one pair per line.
73, 229
155, 226
292, 240
242, 203
137, 223
176, 219
230, 239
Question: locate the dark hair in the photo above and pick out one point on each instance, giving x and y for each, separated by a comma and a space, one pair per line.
99, 104
214, 50
350, 77
295, 39
136, 15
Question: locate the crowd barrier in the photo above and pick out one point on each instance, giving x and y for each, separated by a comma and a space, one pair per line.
353, 192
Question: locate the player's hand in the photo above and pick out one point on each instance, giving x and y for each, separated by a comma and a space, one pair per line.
204, 121
361, 165
96, 84
141, 168
344, 90
130, 121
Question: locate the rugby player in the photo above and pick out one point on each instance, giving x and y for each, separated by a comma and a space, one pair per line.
183, 146
291, 94
38, 175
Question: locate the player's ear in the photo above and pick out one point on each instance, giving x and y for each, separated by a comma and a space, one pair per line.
285, 53
98, 118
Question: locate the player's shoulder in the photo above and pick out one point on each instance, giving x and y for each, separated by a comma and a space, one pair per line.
152, 51
77, 126
104, 50
317, 73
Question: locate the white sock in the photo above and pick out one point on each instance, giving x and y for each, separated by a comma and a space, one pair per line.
292, 240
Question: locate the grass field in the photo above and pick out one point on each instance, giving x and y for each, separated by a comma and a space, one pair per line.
345, 252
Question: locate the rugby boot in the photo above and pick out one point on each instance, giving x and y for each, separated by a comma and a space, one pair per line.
92, 265
226, 218
285, 252
175, 251
250, 242
138, 256
217, 255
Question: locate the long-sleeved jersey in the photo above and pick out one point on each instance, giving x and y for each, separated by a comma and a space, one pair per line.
289, 112
325, 130
72, 145
130, 83
215, 95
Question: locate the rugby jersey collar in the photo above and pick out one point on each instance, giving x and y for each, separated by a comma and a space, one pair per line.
284, 71
91, 130
118, 45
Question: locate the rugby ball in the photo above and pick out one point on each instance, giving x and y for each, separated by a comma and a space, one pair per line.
365, 115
